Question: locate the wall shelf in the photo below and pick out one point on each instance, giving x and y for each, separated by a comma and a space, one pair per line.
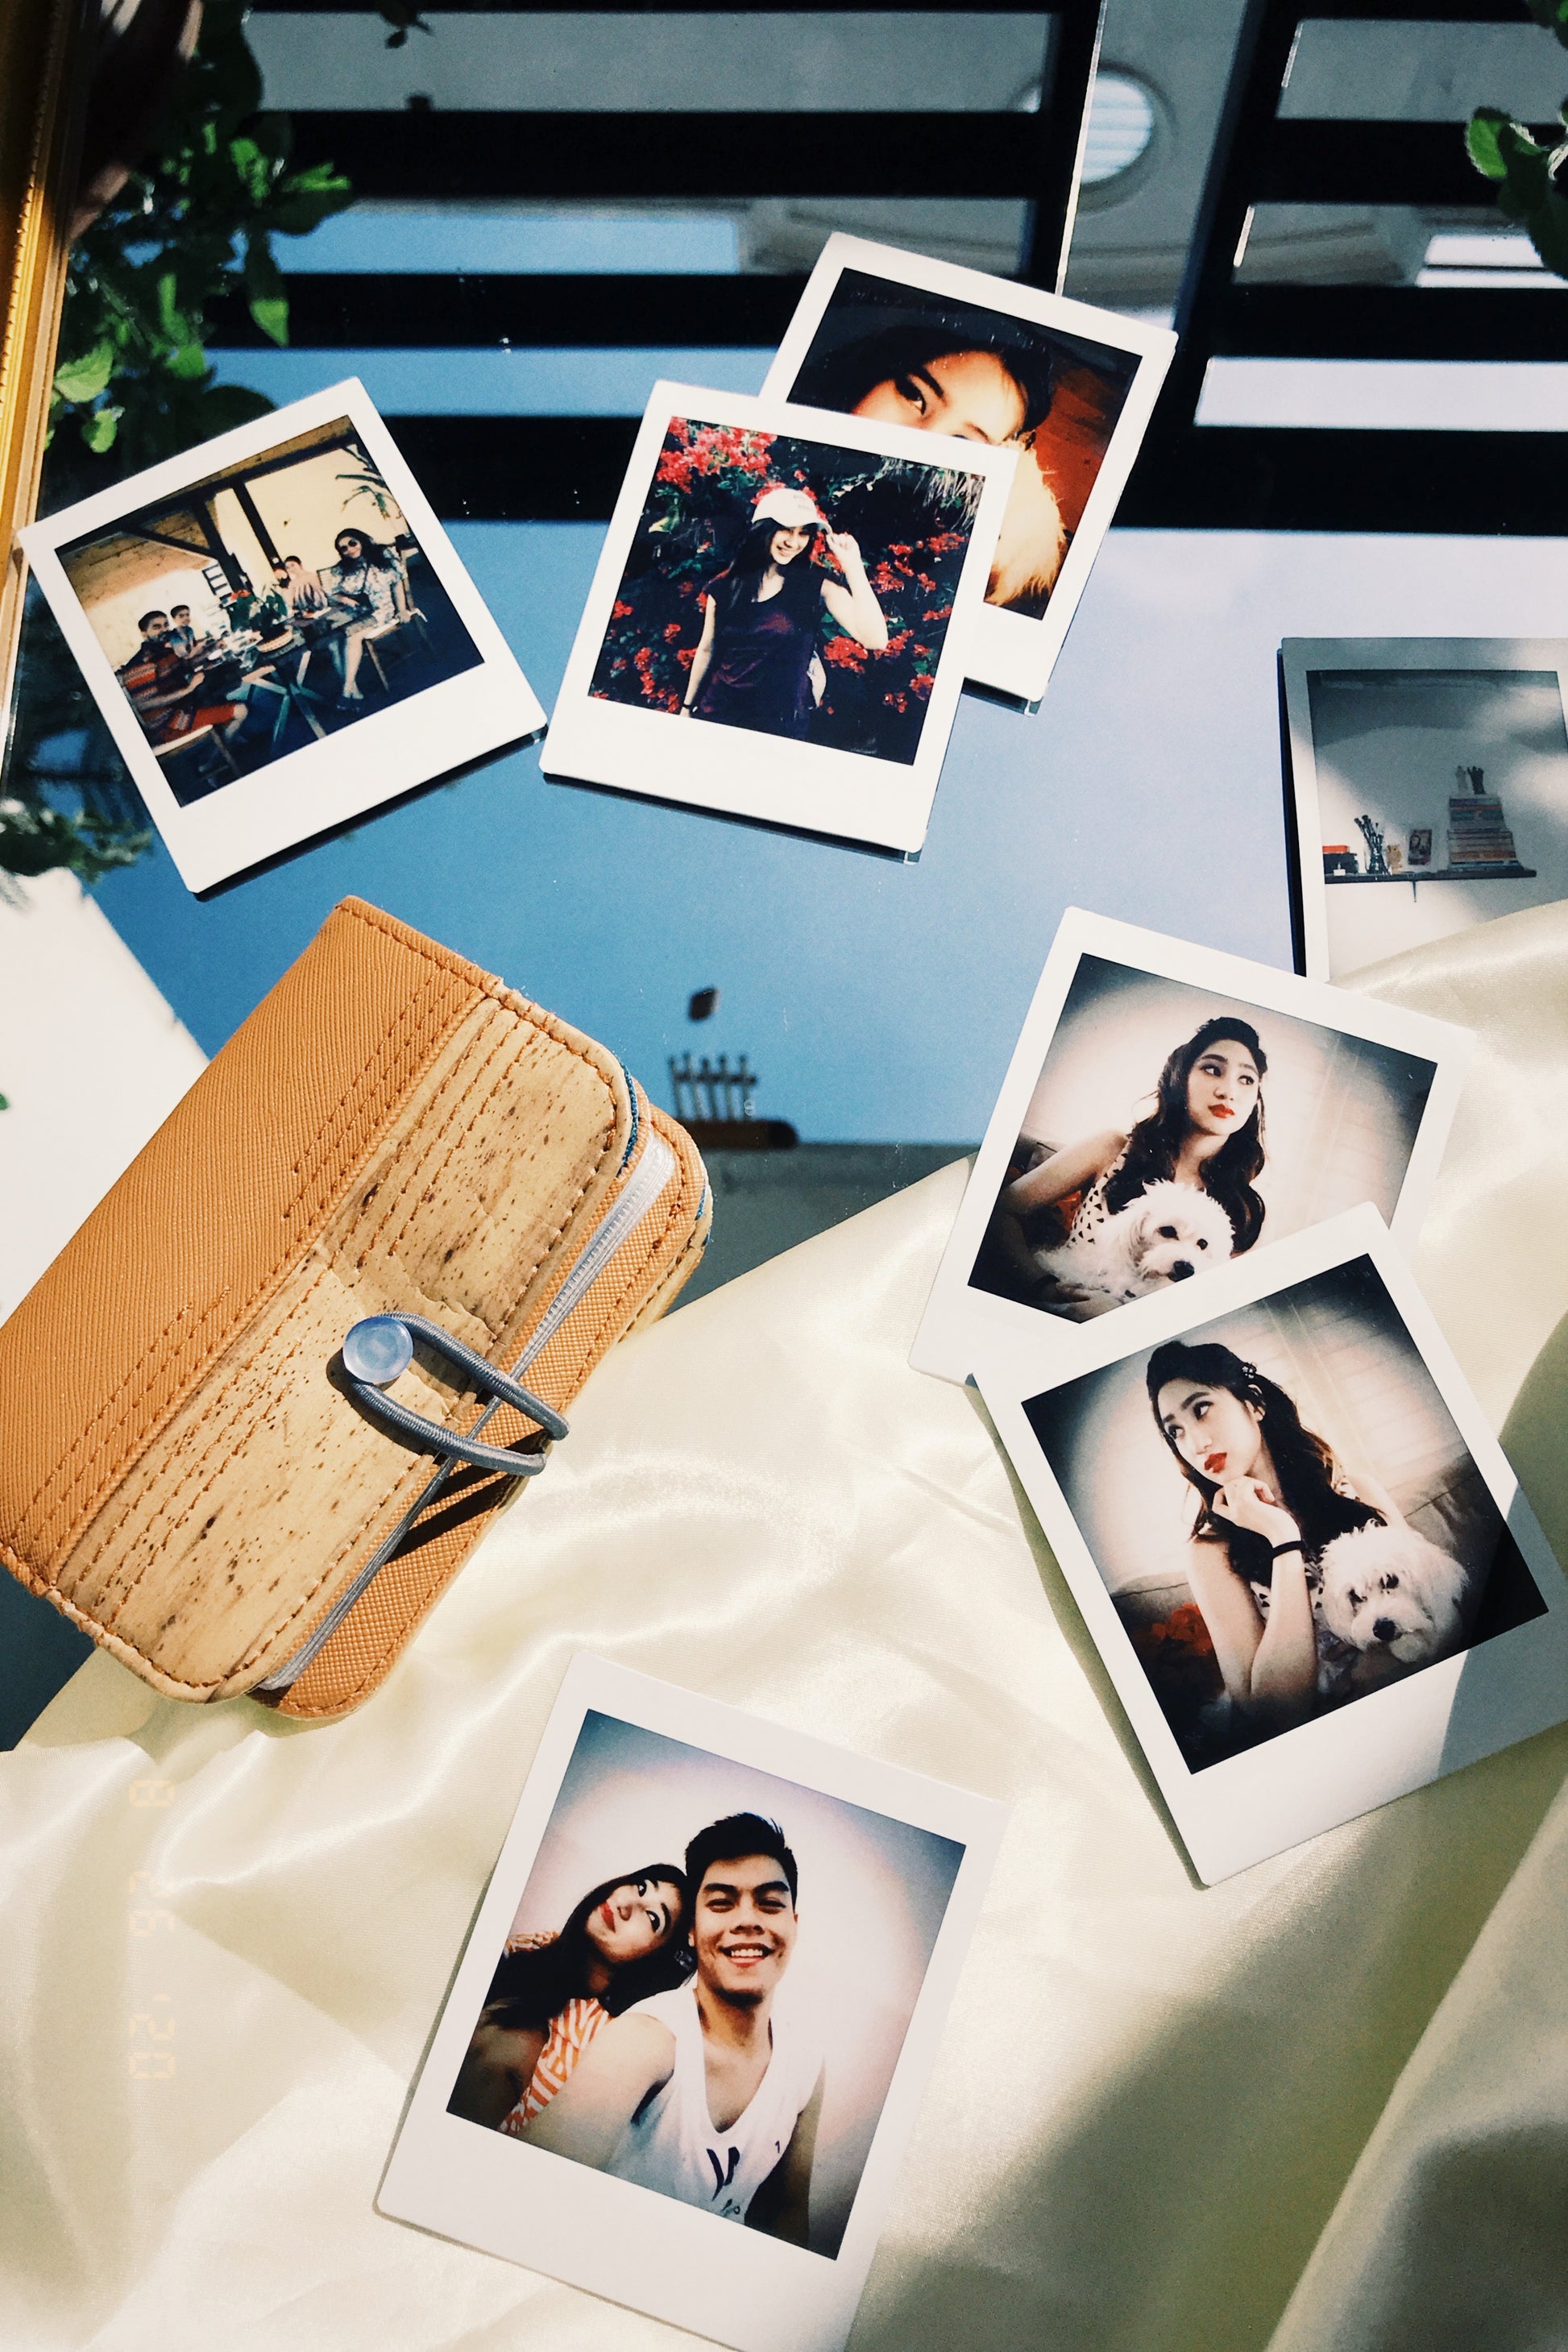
1437, 874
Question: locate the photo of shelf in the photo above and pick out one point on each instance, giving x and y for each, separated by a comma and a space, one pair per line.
1439, 874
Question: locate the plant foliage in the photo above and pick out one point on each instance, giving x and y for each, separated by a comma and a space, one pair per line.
194, 224
1523, 170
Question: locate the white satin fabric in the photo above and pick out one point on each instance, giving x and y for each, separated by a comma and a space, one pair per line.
1322, 2105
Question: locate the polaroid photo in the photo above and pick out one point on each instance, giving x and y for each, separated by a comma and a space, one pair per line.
1306, 1564
891, 336
674, 2068
1426, 783
1166, 1109
779, 624
279, 632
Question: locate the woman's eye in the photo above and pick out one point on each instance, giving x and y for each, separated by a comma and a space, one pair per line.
908, 388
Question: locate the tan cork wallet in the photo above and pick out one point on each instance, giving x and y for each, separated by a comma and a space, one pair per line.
185, 1472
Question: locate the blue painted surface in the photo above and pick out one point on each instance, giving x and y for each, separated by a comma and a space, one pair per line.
494, 383
498, 240
879, 1000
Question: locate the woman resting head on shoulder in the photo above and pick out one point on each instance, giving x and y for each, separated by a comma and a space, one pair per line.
1205, 1130
550, 1994
937, 379
1270, 1501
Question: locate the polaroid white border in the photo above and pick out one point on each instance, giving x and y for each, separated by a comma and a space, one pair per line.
1298, 657
962, 1328
385, 753
1011, 652
741, 771
1388, 1741
654, 2253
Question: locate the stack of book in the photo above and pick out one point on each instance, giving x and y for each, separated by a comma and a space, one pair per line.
1478, 836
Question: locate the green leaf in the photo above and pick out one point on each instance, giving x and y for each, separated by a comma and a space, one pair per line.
1552, 16
264, 285
253, 168
1482, 143
306, 199
99, 429
84, 379
226, 404
188, 362
1526, 162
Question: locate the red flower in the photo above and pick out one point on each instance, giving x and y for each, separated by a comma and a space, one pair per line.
845, 653
672, 630
620, 612
920, 684
1185, 1627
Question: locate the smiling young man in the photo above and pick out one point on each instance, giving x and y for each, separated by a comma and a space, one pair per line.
707, 2093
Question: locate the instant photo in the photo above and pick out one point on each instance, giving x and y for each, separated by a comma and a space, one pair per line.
279, 632
890, 336
673, 2067
777, 625
1304, 1559
1429, 779
1167, 1111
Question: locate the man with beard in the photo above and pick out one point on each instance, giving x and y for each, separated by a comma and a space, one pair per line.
706, 2094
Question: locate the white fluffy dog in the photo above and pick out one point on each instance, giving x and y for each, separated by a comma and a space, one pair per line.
1167, 1233
1389, 1593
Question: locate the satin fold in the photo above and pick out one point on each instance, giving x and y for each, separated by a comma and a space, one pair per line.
1283, 2111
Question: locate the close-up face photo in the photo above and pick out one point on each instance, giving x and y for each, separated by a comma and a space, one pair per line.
891, 352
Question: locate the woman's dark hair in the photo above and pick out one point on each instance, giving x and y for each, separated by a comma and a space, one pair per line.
841, 379
531, 1988
1154, 1143
1303, 1463
737, 583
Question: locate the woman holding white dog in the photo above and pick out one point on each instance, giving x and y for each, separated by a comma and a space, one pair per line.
1273, 1506
1205, 1130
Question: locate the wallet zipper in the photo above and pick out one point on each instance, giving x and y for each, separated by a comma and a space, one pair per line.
643, 1188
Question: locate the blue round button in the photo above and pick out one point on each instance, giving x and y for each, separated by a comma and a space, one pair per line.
378, 1350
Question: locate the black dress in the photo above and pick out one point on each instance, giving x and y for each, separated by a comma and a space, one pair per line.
757, 674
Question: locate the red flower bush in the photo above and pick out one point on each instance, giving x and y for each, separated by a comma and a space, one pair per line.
911, 522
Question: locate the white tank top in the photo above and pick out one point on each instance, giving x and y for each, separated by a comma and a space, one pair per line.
672, 2146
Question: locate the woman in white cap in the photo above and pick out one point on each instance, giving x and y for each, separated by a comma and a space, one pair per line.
764, 612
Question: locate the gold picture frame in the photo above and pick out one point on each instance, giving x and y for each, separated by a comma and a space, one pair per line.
40, 133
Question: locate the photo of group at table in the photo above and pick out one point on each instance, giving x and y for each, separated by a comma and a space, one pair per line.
262, 608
